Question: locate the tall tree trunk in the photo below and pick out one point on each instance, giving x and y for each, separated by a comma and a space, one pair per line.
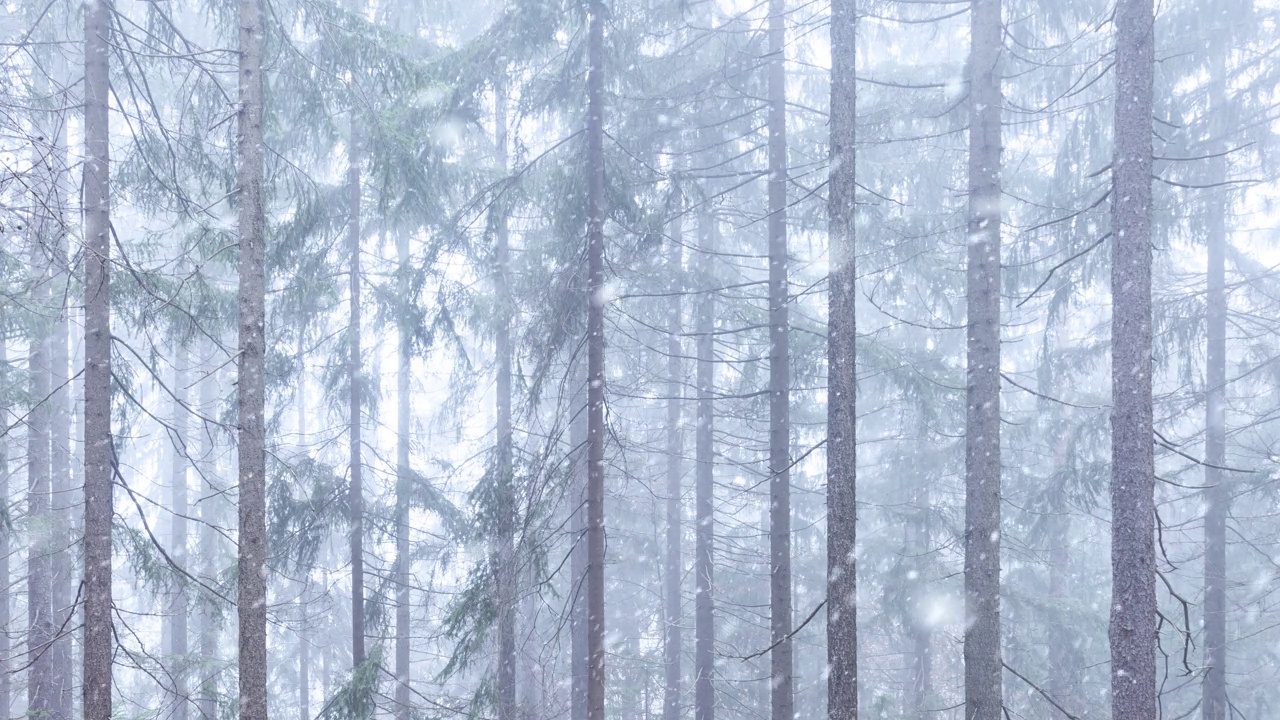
6, 546
252, 440
506, 552
595, 361
1218, 495
41, 689
99, 454
842, 510
356, 496
1133, 560
175, 625
782, 681
704, 691
578, 661
404, 483
672, 637
210, 518
305, 596
983, 670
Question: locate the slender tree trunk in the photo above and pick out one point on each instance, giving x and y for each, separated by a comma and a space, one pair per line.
403, 485
356, 497
210, 518
983, 670
672, 637
506, 553
782, 682
41, 686
704, 692
252, 574
1218, 495
1133, 567
175, 625
99, 453
595, 361
6, 547
842, 511
578, 661
305, 596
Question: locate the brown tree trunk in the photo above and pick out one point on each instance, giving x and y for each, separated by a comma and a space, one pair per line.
99, 454
1133, 560
595, 361
983, 669
842, 509
782, 682
252, 572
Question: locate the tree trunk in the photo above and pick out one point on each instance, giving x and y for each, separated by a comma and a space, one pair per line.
41, 689
356, 497
506, 555
672, 637
210, 518
782, 682
982, 665
175, 625
842, 511
1133, 568
305, 596
99, 453
403, 485
252, 573
578, 660
1218, 495
595, 361
704, 692
6, 546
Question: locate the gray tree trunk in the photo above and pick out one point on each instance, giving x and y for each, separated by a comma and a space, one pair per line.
1218, 495
672, 637
842, 509
210, 517
782, 682
305, 596
6, 546
578, 660
403, 486
704, 690
595, 361
252, 436
99, 454
175, 626
1133, 569
356, 491
506, 555
983, 669
41, 543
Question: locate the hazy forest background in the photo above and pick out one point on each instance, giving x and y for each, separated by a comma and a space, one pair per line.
425, 359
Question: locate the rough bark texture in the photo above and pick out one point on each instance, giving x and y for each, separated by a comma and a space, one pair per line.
403, 487
704, 630
355, 497
99, 455
782, 682
252, 436
595, 361
672, 636
842, 584
983, 669
1133, 572
1218, 495
175, 626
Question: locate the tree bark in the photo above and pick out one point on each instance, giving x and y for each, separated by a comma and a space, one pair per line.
41, 687
983, 669
99, 453
578, 660
356, 496
782, 682
252, 573
595, 361
403, 485
1133, 572
704, 692
175, 625
672, 637
1217, 495
842, 510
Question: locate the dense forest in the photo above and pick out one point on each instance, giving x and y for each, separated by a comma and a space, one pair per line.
539, 359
